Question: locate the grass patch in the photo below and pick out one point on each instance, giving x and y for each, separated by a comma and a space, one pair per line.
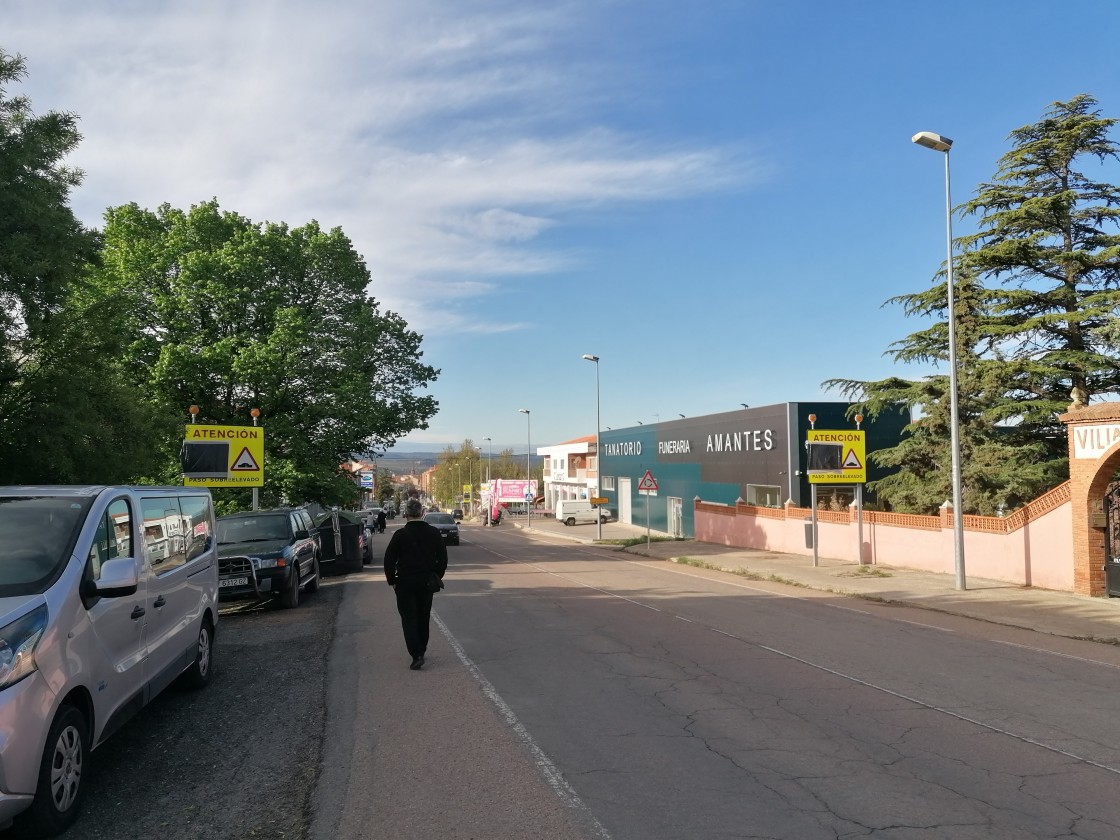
738, 571
629, 541
867, 571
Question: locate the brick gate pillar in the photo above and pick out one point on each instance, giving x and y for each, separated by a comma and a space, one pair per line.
1094, 455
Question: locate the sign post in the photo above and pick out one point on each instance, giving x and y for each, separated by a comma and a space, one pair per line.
223, 456
836, 456
647, 487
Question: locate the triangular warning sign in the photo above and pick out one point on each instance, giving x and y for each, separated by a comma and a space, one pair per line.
851, 462
648, 482
245, 462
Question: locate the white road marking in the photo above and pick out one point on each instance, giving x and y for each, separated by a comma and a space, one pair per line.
934, 708
1058, 653
550, 771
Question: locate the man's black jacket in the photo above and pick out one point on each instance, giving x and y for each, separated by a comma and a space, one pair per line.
413, 552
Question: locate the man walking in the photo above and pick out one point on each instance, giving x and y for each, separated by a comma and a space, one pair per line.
414, 558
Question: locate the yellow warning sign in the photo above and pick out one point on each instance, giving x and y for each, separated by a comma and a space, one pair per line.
836, 456
223, 456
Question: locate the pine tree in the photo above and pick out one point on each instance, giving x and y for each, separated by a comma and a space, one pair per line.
1037, 289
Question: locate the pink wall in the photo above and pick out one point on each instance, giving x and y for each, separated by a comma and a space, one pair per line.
1032, 547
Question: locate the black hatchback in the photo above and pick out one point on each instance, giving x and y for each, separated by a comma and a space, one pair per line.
448, 527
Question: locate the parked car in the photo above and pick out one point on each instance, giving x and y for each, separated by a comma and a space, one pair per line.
107, 596
268, 554
580, 511
457, 514
448, 527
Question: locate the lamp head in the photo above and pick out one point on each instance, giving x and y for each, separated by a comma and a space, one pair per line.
523, 410
932, 141
590, 358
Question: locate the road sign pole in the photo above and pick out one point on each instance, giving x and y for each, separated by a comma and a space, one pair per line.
256, 490
859, 519
647, 520
813, 502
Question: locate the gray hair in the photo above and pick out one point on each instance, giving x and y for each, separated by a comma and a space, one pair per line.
413, 510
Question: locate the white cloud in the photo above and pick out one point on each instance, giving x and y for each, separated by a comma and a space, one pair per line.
419, 128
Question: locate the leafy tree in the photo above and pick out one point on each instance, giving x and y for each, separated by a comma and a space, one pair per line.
67, 414
232, 315
1037, 289
456, 468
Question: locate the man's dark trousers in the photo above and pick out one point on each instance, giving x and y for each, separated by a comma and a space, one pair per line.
414, 603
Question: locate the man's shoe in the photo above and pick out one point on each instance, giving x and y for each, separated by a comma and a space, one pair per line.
417, 662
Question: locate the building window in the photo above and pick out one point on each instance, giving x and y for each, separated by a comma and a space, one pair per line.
608, 482
763, 495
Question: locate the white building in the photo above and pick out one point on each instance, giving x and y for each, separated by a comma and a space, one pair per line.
570, 470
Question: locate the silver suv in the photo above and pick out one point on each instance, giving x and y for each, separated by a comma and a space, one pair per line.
107, 596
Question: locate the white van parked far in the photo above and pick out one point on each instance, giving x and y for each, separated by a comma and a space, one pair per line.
107, 596
580, 512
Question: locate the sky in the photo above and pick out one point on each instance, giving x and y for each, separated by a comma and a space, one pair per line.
715, 197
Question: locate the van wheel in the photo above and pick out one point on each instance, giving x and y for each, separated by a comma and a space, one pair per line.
58, 793
290, 599
313, 584
198, 674
571, 520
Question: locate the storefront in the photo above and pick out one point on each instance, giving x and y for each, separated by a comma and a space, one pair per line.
756, 455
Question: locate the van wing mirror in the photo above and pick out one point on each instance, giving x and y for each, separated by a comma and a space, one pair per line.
119, 576
302, 534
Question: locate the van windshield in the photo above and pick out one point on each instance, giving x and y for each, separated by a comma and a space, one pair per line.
37, 535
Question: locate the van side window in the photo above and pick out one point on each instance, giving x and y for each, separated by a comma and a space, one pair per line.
165, 533
197, 518
113, 537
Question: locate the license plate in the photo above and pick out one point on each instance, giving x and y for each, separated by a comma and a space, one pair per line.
234, 582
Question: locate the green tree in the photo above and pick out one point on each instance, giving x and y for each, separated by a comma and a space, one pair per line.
457, 467
1048, 245
1037, 288
67, 413
232, 315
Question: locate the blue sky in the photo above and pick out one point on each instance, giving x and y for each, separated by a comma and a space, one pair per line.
714, 197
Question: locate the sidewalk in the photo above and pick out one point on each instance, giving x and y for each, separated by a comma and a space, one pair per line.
1043, 610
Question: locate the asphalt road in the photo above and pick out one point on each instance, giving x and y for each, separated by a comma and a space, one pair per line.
681, 703
574, 692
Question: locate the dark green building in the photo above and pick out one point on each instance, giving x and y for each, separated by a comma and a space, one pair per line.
756, 455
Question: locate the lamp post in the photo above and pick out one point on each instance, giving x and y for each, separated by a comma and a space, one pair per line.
470, 484
598, 454
458, 482
943, 144
489, 501
528, 474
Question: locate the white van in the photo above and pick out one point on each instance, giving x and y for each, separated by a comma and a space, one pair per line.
107, 595
579, 512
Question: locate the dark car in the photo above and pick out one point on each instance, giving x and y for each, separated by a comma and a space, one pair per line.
457, 514
268, 553
448, 527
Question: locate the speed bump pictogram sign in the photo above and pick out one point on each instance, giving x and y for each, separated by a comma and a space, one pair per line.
836, 456
223, 456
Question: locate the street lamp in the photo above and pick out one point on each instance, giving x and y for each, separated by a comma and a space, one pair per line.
489, 500
528, 474
598, 451
943, 144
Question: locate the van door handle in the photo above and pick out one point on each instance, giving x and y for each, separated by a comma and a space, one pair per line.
137, 612
159, 602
